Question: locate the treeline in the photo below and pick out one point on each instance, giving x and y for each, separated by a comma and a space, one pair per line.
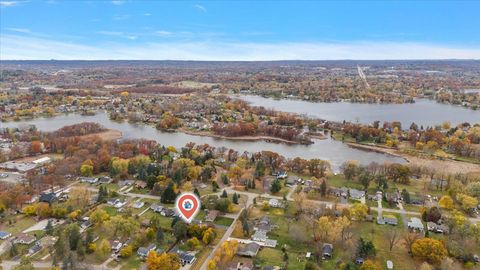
249, 129
81, 129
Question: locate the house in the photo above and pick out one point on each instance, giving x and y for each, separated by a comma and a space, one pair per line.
41, 161
156, 208
274, 203
120, 204
327, 250
24, 238
390, 220
415, 224
34, 249
86, 224
437, 228
239, 265
167, 212
260, 236
212, 215
140, 184
116, 246
186, 258
138, 204
4, 235
48, 197
281, 175
356, 194
249, 250
90, 180
104, 180
270, 243
143, 251
263, 224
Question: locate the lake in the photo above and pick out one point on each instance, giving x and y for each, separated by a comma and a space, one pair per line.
334, 151
423, 112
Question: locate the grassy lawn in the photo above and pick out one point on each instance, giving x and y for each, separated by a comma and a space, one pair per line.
224, 221
201, 257
165, 222
133, 262
18, 223
340, 181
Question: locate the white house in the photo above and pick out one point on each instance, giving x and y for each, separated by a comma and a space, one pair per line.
274, 203
415, 224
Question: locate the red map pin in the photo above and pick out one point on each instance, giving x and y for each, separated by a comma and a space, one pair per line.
187, 205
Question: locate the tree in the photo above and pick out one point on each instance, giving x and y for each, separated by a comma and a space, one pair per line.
49, 228
224, 194
126, 252
350, 169
35, 147
393, 237
124, 226
208, 236
358, 211
193, 243
180, 230
168, 195
366, 248
103, 249
323, 188
406, 196
276, 186
86, 170
446, 202
365, 179
99, 216
235, 198
163, 261
467, 202
371, 265
429, 249
432, 214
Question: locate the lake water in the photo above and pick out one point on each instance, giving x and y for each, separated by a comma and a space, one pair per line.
334, 151
423, 112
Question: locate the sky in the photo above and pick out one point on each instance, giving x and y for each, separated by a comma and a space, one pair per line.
238, 30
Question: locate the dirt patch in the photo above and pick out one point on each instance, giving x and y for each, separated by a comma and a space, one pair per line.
108, 135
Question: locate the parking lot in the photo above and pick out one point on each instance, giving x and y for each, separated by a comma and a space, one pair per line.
12, 177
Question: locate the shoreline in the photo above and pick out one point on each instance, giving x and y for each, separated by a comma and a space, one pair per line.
241, 138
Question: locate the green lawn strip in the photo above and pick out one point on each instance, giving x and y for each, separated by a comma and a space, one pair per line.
224, 221
133, 262
18, 224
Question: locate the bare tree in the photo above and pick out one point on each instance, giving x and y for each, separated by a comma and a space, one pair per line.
393, 237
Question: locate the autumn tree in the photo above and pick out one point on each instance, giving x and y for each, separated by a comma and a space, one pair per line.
163, 261
358, 211
429, 249
371, 265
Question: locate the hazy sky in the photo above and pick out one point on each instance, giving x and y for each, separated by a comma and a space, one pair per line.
239, 30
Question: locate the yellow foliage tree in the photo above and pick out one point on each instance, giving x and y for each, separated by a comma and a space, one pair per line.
430, 250
371, 265
164, 261
446, 202
358, 211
